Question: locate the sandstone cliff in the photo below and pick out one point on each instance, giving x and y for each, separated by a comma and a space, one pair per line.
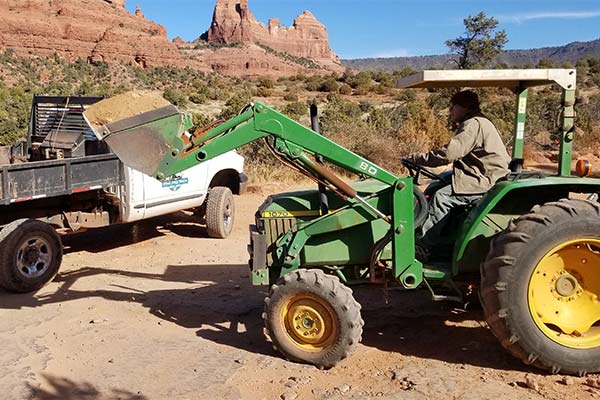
307, 37
94, 30
103, 30
251, 60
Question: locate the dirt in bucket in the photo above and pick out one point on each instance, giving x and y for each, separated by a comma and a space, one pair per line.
123, 106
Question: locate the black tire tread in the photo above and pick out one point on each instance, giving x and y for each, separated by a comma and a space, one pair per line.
342, 300
217, 197
8, 241
497, 270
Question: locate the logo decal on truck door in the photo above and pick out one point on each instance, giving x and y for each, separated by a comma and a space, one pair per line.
175, 183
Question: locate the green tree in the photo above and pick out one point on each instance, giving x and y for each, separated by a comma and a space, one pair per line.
481, 42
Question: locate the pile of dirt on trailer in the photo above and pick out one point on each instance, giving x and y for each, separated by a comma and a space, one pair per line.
123, 106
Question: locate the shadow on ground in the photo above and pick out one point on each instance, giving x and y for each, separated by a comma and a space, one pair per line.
412, 324
66, 389
222, 306
218, 300
182, 224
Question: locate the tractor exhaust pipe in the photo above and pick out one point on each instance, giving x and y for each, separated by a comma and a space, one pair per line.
314, 124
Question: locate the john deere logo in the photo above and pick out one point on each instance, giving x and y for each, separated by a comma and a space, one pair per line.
175, 183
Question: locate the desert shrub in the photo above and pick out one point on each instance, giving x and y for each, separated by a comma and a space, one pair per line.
345, 89
402, 73
363, 89
296, 110
175, 96
588, 120
14, 114
198, 98
266, 83
337, 112
361, 79
264, 92
200, 120
365, 106
234, 105
290, 97
407, 95
380, 119
329, 85
313, 83
546, 63
423, 130
382, 89
384, 79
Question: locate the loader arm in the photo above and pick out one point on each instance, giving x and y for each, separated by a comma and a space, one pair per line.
291, 140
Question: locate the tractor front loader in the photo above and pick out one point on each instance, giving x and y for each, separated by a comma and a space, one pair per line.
531, 244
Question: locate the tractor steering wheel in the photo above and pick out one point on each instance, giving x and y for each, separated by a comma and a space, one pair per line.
415, 170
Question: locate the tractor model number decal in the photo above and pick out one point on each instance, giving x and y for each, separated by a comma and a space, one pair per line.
368, 168
293, 214
175, 183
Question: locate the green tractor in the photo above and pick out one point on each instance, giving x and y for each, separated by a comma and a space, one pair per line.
531, 244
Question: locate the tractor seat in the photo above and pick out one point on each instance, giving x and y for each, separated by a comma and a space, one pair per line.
516, 165
517, 173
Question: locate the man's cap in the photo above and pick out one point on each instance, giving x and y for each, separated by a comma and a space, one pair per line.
467, 99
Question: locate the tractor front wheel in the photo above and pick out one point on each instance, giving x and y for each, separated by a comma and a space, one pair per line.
313, 318
541, 287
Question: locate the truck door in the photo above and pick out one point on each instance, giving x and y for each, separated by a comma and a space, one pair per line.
184, 190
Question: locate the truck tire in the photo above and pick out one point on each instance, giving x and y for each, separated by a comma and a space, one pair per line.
220, 211
312, 318
540, 287
30, 255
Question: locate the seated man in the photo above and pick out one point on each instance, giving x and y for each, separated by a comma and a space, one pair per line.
478, 157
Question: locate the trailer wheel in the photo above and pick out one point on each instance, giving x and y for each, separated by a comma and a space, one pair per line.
30, 255
541, 285
220, 211
312, 318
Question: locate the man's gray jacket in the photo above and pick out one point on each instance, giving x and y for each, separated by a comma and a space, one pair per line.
477, 153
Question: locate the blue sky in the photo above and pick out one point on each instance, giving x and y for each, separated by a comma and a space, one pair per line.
388, 28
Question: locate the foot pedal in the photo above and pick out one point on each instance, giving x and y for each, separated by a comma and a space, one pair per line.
456, 297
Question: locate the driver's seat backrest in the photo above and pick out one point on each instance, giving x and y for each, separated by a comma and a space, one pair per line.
516, 165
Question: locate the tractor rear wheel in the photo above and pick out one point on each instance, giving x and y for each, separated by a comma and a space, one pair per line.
540, 287
313, 318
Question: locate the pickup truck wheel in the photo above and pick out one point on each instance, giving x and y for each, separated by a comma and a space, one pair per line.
312, 318
220, 211
30, 255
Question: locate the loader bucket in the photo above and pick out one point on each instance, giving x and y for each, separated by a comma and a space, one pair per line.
142, 141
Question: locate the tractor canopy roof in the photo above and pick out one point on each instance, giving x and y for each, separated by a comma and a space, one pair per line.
509, 78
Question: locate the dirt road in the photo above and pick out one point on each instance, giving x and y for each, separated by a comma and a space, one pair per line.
163, 312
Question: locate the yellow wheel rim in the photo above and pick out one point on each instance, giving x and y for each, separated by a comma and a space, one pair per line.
564, 292
309, 322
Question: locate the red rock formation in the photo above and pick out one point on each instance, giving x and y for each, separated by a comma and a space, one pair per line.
307, 37
249, 60
95, 30
118, 3
103, 30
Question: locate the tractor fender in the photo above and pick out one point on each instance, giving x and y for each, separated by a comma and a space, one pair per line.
507, 200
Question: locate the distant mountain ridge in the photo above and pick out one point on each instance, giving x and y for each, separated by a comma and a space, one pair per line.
559, 54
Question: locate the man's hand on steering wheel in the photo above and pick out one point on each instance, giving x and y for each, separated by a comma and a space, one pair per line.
415, 170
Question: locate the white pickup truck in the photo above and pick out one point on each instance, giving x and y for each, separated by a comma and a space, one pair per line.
62, 180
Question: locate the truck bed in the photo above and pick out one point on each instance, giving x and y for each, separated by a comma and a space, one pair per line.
40, 179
